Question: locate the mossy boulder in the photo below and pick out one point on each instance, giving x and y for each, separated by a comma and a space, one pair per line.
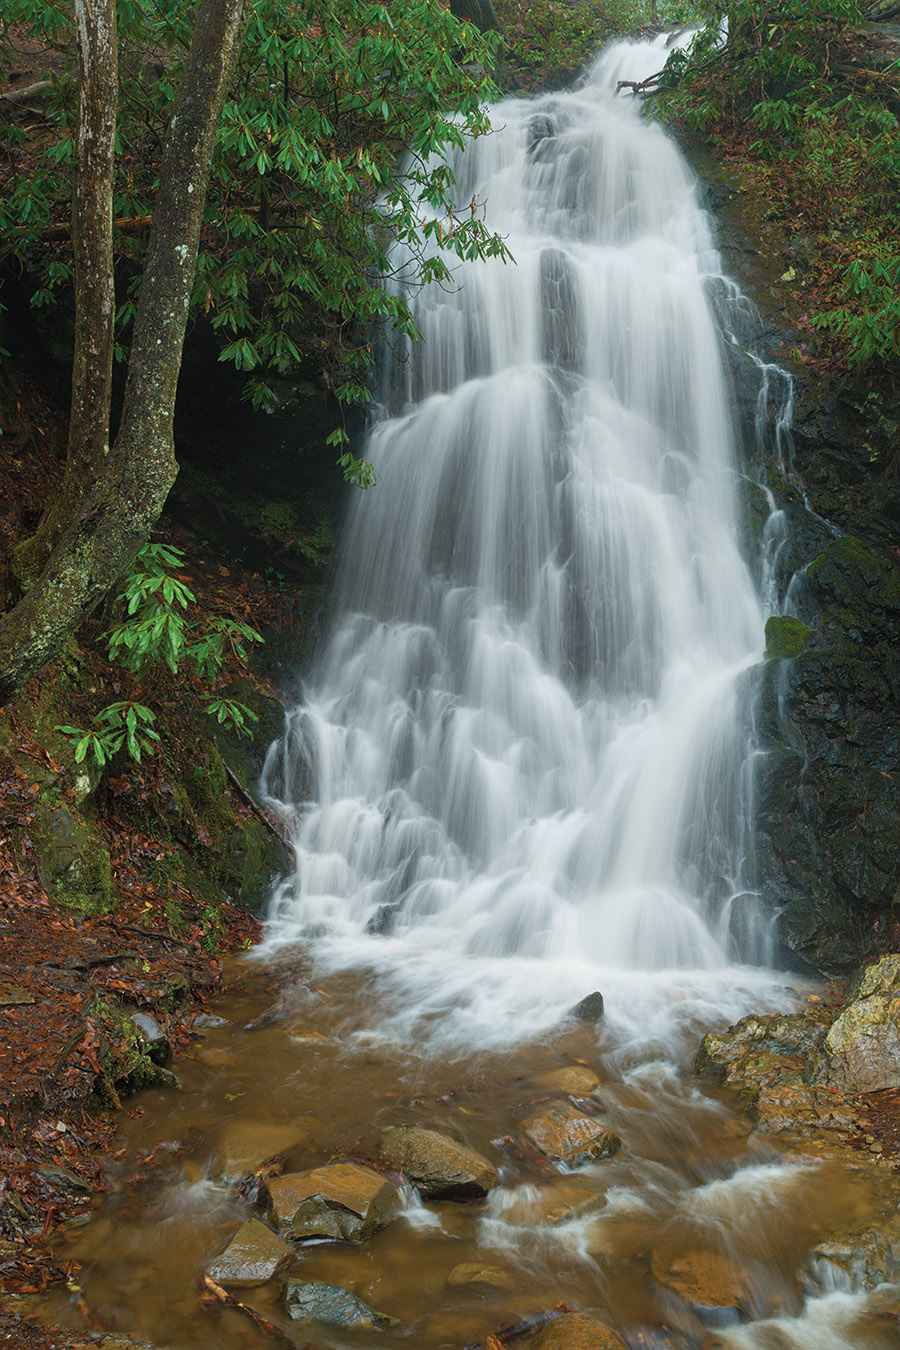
73, 863
786, 637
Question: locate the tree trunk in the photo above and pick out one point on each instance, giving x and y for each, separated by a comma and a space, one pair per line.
479, 12
92, 248
115, 520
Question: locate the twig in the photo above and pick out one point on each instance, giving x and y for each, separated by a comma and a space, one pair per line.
151, 933
274, 827
266, 1327
527, 1327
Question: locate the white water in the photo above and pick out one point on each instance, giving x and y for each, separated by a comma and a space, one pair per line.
521, 770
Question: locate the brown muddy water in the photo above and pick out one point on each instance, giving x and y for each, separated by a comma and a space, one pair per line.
624, 1237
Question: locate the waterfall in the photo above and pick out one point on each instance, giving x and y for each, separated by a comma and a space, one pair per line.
521, 770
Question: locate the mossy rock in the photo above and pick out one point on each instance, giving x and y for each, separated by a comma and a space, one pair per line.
73, 864
786, 637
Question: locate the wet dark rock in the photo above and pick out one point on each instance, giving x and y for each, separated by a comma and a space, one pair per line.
208, 1022
332, 1306
577, 1331
64, 1180
340, 1201
254, 1255
568, 1135
439, 1166
590, 1009
828, 815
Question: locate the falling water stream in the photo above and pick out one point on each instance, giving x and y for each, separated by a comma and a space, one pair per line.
523, 766
522, 772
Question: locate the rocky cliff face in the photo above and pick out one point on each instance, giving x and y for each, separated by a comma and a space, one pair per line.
828, 782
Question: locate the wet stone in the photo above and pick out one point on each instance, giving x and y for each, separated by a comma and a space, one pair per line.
332, 1306
532, 1206
575, 1079
565, 1134
589, 1009
706, 1281
473, 1272
863, 1045
248, 1145
340, 1201
577, 1331
437, 1164
254, 1255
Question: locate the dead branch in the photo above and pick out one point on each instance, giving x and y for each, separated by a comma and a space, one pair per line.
266, 1327
274, 826
527, 1327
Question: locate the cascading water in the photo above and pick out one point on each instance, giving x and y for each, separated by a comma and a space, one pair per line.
522, 768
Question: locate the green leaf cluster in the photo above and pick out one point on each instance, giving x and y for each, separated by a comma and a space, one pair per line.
332, 147
160, 625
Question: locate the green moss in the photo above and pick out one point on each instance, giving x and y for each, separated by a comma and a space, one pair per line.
73, 864
786, 637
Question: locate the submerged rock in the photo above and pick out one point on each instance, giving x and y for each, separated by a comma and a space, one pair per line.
341, 1201
316, 1301
532, 1206
568, 1135
590, 1009
473, 1272
254, 1255
248, 1145
862, 1047
576, 1079
577, 1331
705, 1280
439, 1166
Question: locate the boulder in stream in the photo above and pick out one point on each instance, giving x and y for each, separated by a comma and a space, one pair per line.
254, 1255
438, 1165
331, 1305
248, 1145
340, 1201
567, 1135
862, 1047
589, 1009
577, 1331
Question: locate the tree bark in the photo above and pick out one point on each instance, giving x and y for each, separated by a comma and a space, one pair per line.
480, 12
100, 542
92, 249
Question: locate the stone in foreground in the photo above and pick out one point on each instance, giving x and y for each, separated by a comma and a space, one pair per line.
340, 1201
577, 1331
863, 1045
252, 1256
247, 1145
439, 1166
332, 1306
567, 1135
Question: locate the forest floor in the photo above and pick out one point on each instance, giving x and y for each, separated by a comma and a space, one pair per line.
71, 980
